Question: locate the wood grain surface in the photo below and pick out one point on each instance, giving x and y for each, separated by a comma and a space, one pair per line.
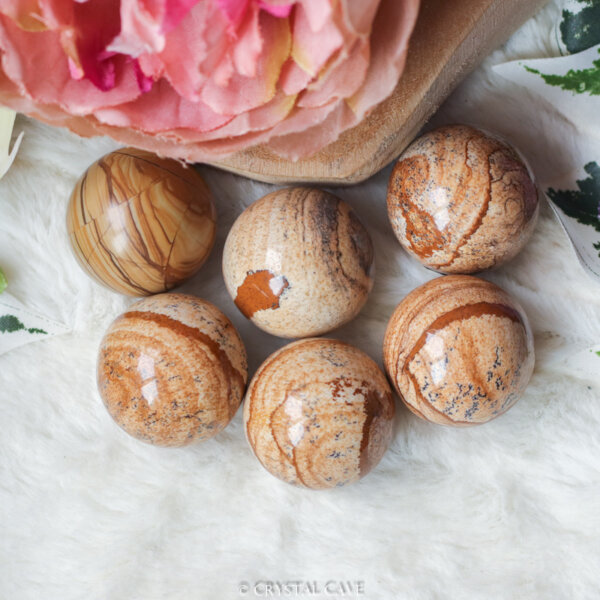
450, 39
140, 224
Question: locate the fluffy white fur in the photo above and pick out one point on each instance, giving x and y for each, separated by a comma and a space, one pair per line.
507, 510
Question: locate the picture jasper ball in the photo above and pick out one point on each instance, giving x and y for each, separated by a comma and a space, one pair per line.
461, 200
319, 414
140, 224
298, 263
172, 370
459, 351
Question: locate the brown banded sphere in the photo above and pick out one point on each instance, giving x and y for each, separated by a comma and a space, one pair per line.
461, 200
298, 263
172, 370
319, 414
140, 224
459, 351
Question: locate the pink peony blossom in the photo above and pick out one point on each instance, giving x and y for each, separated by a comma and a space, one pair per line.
201, 79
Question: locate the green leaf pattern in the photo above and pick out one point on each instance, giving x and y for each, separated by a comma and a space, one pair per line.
11, 324
578, 81
581, 30
583, 204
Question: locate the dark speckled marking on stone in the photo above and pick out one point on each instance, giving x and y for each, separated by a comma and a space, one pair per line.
458, 314
323, 436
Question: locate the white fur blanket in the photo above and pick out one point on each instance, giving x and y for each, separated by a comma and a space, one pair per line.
507, 510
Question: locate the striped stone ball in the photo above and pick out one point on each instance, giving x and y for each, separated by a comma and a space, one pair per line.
461, 200
459, 351
298, 263
172, 370
140, 224
319, 414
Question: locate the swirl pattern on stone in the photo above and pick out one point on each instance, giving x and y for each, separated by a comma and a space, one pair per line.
319, 414
461, 201
459, 351
298, 263
172, 370
140, 224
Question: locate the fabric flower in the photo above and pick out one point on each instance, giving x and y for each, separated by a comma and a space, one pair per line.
200, 79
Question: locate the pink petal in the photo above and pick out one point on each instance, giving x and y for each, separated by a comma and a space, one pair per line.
359, 15
144, 83
243, 93
249, 45
293, 79
305, 143
318, 12
193, 50
277, 10
234, 10
141, 30
261, 119
162, 109
389, 42
342, 81
26, 56
175, 11
311, 49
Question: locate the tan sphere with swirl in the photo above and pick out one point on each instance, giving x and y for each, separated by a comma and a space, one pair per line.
298, 263
172, 370
319, 414
459, 351
461, 200
140, 224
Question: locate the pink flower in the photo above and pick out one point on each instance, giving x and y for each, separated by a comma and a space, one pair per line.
200, 79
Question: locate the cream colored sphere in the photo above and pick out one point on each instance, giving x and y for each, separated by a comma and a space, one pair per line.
298, 263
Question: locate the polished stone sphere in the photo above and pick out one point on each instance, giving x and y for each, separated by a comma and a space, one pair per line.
461, 200
459, 351
319, 414
140, 224
172, 370
298, 263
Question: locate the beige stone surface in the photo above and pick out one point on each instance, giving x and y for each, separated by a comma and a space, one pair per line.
298, 263
459, 350
319, 413
461, 200
172, 370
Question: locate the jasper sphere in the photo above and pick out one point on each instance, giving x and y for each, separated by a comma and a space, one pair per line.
172, 370
459, 351
319, 414
140, 224
298, 263
461, 200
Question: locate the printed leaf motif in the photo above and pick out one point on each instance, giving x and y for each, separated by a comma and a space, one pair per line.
10, 324
581, 30
582, 204
579, 81
3, 282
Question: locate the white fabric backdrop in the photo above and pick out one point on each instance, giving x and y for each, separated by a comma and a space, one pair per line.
507, 510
